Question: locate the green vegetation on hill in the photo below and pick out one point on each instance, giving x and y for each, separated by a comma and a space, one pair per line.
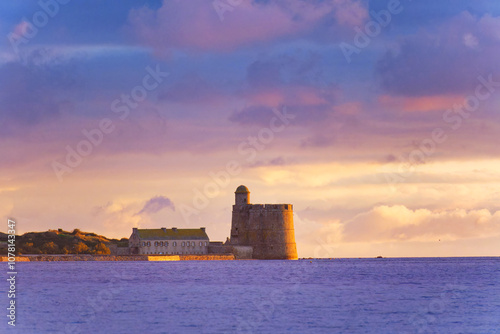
62, 242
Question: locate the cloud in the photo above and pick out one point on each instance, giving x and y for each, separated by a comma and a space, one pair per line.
471, 41
120, 214
303, 115
21, 29
349, 12
38, 90
443, 62
197, 25
293, 79
291, 67
420, 103
264, 74
27, 96
398, 223
156, 204
190, 89
278, 161
116, 215
260, 115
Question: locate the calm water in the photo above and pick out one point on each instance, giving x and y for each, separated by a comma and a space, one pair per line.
447, 295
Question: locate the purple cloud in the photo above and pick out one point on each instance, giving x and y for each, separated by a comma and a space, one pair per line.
247, 23
447, 61
156, 204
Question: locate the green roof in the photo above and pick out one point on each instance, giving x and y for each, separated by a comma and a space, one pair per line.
171, 234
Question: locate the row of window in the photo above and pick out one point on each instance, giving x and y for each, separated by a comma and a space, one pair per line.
174, 244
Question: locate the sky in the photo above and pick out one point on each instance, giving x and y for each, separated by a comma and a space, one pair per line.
378, 120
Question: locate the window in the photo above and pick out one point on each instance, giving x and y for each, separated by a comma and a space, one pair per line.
144, 244
206, 244
192, 244
175, 243
149, 243
156, 243
166, 243
183, 244
161, 243
201, 243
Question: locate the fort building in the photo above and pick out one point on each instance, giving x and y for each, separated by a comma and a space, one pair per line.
258, 231
168, 241
267, 228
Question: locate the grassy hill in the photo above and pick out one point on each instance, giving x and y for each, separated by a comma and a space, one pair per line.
62, 242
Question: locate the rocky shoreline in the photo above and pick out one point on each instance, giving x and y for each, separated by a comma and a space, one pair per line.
87, 257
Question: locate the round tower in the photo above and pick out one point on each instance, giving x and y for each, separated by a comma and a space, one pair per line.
266, 228
242, 195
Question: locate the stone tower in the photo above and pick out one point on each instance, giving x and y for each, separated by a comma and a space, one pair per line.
268, 228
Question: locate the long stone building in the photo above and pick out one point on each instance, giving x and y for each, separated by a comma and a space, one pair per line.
168, 241
267, 228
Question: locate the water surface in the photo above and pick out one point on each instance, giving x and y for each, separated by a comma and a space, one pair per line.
412, 295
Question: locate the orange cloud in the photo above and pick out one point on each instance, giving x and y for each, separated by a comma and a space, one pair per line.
299, 95
309, 97
425, 103
398, 223
268, 98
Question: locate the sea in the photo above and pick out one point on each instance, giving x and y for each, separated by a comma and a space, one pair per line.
389, 295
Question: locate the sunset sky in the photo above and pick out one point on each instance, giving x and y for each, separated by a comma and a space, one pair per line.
378, 120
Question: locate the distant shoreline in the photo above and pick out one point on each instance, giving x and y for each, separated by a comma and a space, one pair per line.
90, 257
205, 257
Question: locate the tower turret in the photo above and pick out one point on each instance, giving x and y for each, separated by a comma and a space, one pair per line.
242, 195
